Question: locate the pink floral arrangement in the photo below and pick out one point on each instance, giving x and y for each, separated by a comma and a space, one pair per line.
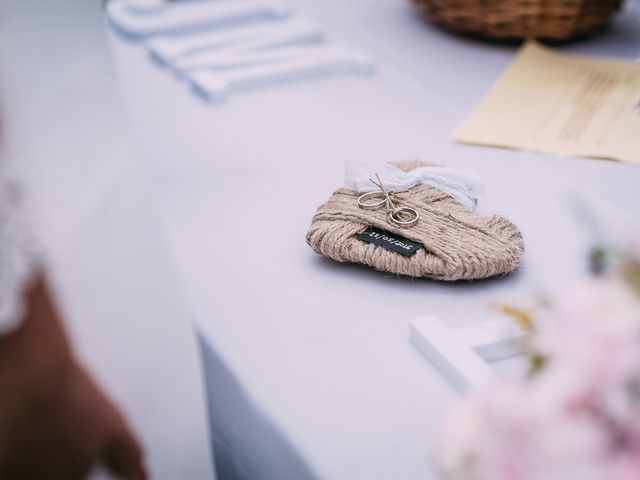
576, 415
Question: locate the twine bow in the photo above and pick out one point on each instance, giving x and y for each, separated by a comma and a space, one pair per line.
399, 216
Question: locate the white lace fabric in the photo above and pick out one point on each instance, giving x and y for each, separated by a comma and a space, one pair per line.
463, 185
19, 256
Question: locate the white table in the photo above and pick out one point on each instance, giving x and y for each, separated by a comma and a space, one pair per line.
310, 371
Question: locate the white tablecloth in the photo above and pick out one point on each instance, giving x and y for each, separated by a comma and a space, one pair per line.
310, 371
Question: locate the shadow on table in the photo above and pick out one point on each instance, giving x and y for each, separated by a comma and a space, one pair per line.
247, 446
366, 273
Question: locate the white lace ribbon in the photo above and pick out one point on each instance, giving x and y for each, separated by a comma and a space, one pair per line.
19, 257
463, 185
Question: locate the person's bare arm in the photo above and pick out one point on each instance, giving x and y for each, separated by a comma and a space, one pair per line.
55, 422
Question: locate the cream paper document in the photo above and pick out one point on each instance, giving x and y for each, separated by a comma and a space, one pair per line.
561, 104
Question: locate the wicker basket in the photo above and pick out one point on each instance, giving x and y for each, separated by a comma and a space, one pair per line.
516, 19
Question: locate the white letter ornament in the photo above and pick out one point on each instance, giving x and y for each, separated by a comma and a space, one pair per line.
461, 354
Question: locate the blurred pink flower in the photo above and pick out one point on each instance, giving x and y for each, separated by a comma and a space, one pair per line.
577, 419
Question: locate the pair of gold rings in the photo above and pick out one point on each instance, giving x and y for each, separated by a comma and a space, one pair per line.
402, 217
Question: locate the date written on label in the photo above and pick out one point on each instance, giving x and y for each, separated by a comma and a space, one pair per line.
390, 241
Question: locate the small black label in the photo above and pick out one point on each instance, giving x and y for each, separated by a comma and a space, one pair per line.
389, 241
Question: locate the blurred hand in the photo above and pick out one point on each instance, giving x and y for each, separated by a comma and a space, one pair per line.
55, 422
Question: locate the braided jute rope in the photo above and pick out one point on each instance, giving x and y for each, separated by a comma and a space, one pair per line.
458, 243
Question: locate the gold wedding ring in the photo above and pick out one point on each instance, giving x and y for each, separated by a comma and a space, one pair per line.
403, 217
